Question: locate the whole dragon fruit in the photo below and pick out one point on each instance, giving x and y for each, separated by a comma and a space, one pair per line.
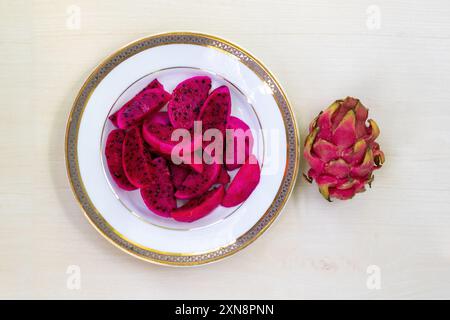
341, 149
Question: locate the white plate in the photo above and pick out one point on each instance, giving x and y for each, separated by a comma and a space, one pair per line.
257, 98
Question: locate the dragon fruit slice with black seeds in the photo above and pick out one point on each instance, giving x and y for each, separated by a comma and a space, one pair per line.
142, 105
159, 195
216, 110
195, 184
152, 85
113, 153
136, 159
179, 173
187, 99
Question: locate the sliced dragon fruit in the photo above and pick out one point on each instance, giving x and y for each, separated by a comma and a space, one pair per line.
158, 134
243, 183
196, 183
224, 177
187, 99
216, 110
113, 153
136, 160
159, 195
142, 105
161, 118
199, 207
239, 149
152, 85
179, 173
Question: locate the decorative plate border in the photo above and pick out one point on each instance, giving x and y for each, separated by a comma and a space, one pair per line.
95, 217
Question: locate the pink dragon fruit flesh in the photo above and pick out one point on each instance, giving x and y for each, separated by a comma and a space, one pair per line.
163, 154
224, 177
158, 134
243, 184
187, 99
113, 153
196, 183
152, 85
159, 195
238, 150
136, 160
341, 149
199, 207
161, 118
143, 104
216, 110
178, 174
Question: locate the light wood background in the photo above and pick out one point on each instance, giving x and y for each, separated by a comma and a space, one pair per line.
394, 55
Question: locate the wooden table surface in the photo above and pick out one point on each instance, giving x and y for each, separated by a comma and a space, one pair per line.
391, 242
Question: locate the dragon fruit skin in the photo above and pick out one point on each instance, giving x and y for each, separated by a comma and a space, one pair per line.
341, 149
199, 207
243, 183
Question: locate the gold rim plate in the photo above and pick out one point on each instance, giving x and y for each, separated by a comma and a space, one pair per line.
95, 217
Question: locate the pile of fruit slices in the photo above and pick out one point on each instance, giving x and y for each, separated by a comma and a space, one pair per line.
139, 153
